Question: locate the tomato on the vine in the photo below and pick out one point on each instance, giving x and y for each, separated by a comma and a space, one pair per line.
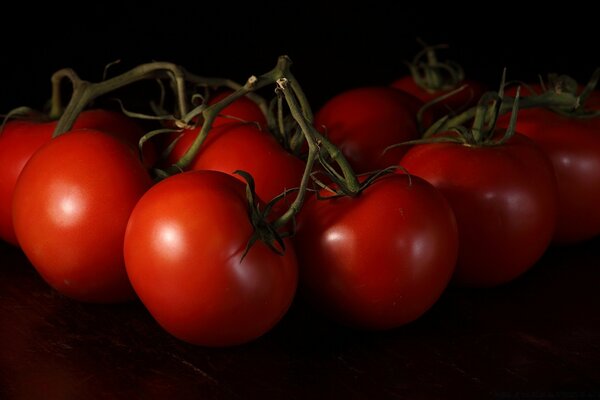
380, 259
19, 139
242, 109
70, 208
504, 198
243, 146
573, 145
364, 121
183, 252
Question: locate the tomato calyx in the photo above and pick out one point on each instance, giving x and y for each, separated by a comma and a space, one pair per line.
564, 84
486, 115
431, 74
263, 230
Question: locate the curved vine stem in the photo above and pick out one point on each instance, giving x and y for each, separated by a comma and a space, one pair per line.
84, 91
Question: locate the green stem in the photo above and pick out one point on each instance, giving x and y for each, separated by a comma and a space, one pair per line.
351, 184
211, 112
56, 105
84, 92
546, 99
260, 101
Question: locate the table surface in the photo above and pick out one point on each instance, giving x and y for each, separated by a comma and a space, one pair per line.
535, 338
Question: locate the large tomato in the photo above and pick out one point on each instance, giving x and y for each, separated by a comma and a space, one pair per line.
573, 146
378, 260
243, 146
70, 208
363, 122
505, 201
21, 138
183, 251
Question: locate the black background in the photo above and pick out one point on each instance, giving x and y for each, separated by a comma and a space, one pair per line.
333, 46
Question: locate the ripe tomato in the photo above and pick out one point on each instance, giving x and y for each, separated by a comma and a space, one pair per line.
242, 146
505, 201
21, 138
460, 101
242, 109
70, 208
378, 260
362, 122
183, 251
573, 146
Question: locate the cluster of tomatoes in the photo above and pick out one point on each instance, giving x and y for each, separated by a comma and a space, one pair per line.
370, 209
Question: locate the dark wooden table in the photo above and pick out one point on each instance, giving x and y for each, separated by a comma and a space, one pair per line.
535, 338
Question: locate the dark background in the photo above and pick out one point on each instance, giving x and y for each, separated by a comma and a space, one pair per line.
333, 47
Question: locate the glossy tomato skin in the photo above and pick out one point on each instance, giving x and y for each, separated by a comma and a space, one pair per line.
378, 260
183, 249
242, 146
573, 146
19, 139
505, 202
458, 102
363, 121
70, 208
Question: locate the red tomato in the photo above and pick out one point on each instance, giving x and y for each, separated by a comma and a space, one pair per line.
240, 146
242, 109
362, 122
454, 104
20, 139
70, 208
573, 146
378, 260
183, 251
505, 201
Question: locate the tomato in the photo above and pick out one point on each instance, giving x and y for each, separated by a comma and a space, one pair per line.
21, 138
573, 146
70, 208
242, 109
454, 104
243, 146
363, 121
505, 201
183, 252
18, 141
380, 259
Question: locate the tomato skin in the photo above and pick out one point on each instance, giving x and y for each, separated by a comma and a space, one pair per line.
460, 101
241, 110
505, 202
242, 146
363, 121
573, 146
19, 139
70, 209
183, 246
378, 260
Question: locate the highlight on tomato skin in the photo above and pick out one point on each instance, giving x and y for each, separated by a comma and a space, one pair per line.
70, 209
20, 139
183, 252
381, 259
